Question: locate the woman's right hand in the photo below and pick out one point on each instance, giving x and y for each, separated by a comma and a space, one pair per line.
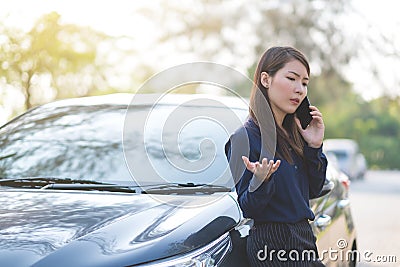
262, 171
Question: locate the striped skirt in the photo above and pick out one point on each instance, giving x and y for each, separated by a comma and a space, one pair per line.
282, 244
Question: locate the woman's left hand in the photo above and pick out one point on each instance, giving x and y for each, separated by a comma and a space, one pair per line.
314, 133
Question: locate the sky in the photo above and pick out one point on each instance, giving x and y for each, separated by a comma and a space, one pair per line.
113, 18
376, 18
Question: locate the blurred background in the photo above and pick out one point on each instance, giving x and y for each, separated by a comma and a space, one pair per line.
51, 50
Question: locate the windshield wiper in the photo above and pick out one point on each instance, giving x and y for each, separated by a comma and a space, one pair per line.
44, 183
64, 184
89, 187
186, 189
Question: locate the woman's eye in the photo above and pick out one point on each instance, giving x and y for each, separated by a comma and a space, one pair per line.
290, 78
305, 84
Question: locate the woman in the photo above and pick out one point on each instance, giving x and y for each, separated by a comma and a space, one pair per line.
274, 188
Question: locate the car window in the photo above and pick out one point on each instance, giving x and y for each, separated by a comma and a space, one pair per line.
186, 144
340, 155
86, 142
75, 142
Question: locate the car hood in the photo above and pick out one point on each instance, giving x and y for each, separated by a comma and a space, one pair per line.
59, 228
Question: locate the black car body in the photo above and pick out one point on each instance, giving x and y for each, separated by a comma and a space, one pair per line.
78, 187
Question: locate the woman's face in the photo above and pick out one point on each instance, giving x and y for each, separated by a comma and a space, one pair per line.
287, 88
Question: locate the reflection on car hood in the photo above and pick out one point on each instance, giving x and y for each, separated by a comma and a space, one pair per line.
56, 228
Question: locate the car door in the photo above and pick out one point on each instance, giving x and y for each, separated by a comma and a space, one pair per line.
331, 224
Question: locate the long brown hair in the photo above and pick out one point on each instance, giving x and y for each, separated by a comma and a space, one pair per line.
271, 62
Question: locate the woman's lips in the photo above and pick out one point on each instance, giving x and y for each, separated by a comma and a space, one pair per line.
295, 101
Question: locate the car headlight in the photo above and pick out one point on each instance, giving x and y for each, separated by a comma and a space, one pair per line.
207, 256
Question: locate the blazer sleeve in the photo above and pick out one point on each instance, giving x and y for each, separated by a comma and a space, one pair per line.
252, 195
316, 163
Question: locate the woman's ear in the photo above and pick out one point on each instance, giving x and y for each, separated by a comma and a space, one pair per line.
265, 79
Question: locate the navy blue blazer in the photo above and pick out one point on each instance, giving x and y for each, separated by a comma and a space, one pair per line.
285, 196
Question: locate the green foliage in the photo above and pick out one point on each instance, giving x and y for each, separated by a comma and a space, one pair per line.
49, 52
66, 57
375, 125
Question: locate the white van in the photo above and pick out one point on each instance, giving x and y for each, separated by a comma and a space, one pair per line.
349, 158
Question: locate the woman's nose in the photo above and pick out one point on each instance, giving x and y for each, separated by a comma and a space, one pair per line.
299, 88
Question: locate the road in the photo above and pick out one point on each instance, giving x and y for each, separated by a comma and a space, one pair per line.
375, 204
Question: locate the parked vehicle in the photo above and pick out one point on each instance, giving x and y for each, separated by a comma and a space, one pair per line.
350, 160
78, 186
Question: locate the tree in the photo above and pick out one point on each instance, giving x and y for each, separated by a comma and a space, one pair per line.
44, 59
237, 32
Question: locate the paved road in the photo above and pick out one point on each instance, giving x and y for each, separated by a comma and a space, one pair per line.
376, 210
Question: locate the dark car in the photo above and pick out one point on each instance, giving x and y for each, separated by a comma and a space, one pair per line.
107, 181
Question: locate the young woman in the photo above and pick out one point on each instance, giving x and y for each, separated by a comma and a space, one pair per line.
274, 189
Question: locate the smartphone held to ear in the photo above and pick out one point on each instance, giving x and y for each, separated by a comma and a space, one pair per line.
303, 113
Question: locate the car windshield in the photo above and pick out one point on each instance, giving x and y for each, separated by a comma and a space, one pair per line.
86, 142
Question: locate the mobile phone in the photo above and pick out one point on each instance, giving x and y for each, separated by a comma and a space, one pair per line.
303, 113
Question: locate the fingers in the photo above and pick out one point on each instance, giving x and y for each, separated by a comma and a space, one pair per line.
315, 112
262, 170
249, 165
275, 166
268, 168
265, 163
265, 167
271, 167
318, 119
297, 121
316, 115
